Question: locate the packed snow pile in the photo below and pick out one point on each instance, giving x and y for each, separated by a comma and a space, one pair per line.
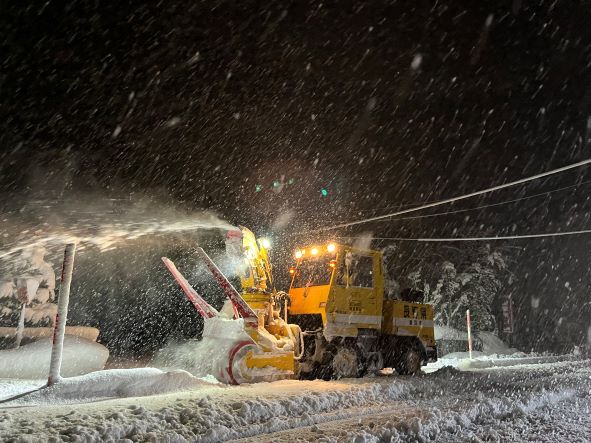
491, 344
37, 332
113, 383
208, 356
495, 353
31, 361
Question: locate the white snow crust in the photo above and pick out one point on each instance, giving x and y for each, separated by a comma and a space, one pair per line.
31, 361
208, 356
111, 383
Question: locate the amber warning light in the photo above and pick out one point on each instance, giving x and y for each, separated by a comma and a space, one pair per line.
330, 248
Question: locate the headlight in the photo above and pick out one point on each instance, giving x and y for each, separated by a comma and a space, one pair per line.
265, 243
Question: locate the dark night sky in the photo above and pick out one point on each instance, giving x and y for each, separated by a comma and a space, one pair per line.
195, 103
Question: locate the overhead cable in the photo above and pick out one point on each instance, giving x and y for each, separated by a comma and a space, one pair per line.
461, 197
458, 239
506, 202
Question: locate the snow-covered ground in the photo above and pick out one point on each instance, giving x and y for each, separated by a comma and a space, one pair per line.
539, 402
495, 353
498, 395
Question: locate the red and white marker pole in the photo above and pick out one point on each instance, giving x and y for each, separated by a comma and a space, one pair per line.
59, 329
469, 325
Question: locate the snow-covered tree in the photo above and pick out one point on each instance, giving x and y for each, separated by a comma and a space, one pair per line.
473, 282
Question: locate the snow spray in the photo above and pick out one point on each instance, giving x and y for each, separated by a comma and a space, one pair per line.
96, 223
62, 315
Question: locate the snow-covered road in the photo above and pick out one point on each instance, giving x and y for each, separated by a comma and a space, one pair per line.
543, 402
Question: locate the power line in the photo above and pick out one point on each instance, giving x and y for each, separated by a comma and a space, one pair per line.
458, 239
493, 204
462, 197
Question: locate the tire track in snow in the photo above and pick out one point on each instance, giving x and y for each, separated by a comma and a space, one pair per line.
409, 422
448, 418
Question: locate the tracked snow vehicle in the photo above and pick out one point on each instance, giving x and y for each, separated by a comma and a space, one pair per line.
334, 322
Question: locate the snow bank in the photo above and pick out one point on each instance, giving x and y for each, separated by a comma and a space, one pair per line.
494, 352
491, 344
113, 383
36, 332
488, 342
10, 388
519, 358
481, 360
31, 361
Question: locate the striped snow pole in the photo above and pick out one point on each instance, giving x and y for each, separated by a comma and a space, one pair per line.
21, 326
469, 326
59, 327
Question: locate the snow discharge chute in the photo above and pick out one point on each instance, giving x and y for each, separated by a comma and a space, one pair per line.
239, 304
204, 308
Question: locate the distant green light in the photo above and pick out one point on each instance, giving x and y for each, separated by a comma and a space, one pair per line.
324, 192
258, 188
276, 184
291, 181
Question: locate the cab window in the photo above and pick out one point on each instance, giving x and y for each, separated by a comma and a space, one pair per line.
356, 271
312, 272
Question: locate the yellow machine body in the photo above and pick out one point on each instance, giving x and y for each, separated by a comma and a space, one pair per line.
337, 296
345, 286
409, 319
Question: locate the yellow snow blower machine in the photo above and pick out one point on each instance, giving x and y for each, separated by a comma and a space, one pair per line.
334, 322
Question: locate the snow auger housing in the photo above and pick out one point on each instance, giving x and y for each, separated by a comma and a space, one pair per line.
338, 290
253, 342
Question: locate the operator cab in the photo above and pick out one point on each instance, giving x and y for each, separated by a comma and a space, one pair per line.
332, 280
314, 267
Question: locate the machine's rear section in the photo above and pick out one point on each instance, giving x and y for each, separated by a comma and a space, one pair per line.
338, 292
